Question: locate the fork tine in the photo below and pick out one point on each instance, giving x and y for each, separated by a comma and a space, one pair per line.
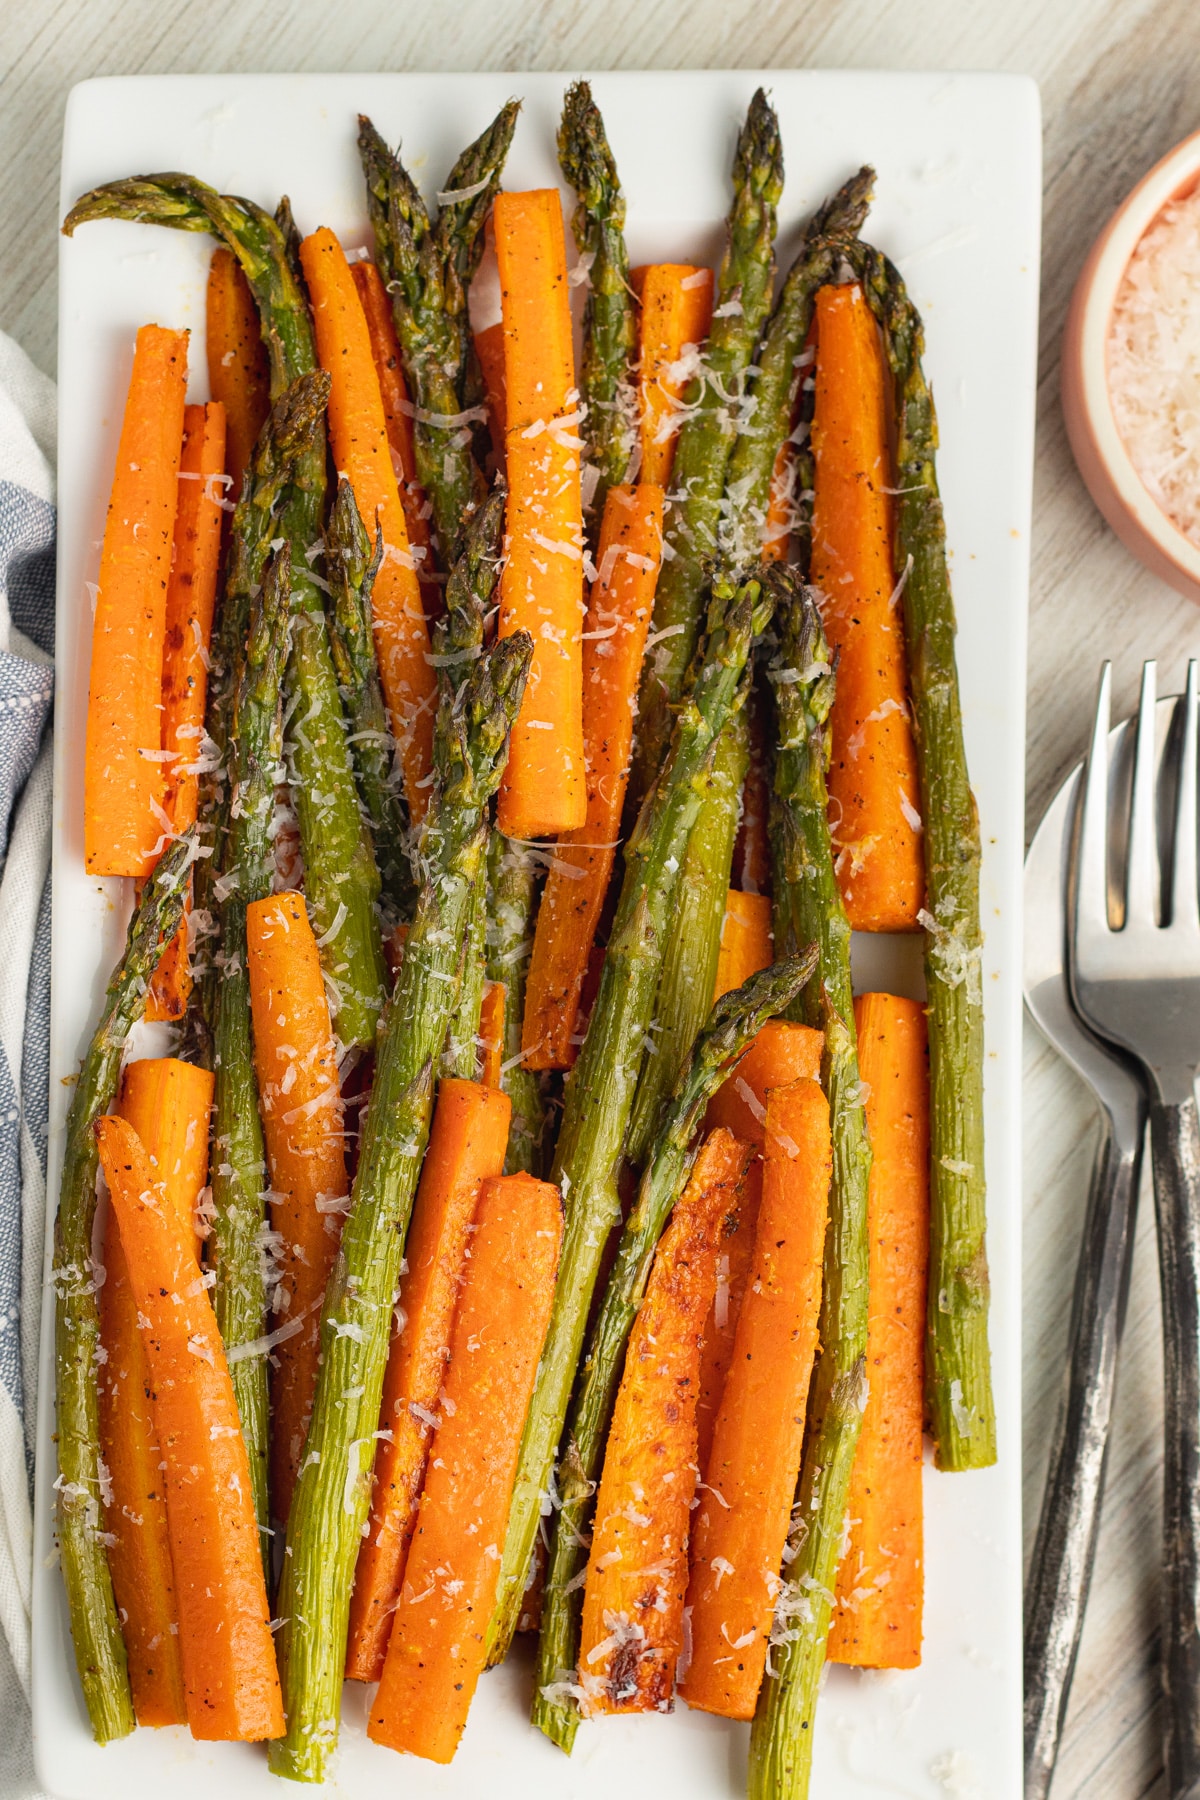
1091, 860
1185, 904
1141, 869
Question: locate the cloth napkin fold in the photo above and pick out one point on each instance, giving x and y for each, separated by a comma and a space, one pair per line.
27, 521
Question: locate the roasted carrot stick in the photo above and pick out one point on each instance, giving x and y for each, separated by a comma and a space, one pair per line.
397, 413
780, 1054
618, 620
733, 1272
544, 788
123, 771
170, 1102
489, 348
873, 790
632, 1628
880, 1585
777, 530
676, 313
741, 1523
491, 1033
358, 434
295, 1058
436, 1652
466, 1148
191, 600
225, 1644
746, 942
238, 373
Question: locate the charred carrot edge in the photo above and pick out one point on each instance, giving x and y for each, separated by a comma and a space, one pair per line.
752, 851
358, 434
746, 941
780, 1054
676, 302
873, 786
436, 1652
741, 1524
467, 1143
295, 1058
618, 621
543, 791
880, 1585
225, 1643
239, 375
632, 1628
123, 771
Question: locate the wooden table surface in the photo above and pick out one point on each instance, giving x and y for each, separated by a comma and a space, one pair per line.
1120, 84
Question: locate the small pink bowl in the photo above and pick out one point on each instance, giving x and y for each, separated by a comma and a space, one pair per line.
1113, 482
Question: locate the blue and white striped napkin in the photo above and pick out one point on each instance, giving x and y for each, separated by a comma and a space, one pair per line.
27, 435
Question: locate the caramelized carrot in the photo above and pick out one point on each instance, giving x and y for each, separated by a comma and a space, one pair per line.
170, 1102
872, 779
436, 1652
733, 1272
489, 348
491, 1033
123, 770
880, 1584
397, 413
544, 787
632, 1627
358, 434
780, 1054
295, 1058
467, 1143
239, 375
741, 1523
676, 314
228, 1657
777, 531
752, 851
618, 621
746, 942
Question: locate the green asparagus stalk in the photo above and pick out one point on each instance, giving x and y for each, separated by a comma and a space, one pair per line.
352, 567
600, 1089
609, 321
95, 1627
461, 1053
716, 402
239, 1175
689, 967
340, 878
428, 266
808, 908
958, 1365
512, 901
731, 1025
333, 1491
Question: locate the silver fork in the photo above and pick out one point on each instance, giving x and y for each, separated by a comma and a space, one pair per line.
1139, 987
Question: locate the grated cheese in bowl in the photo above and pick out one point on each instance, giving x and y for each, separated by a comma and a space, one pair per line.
1154, 362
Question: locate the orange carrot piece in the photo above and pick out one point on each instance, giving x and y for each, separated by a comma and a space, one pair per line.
544, 788
746, 940
489, 348
873, 791
676, 313
618, 620
230, 1679
123, 772
632, 1628
358, 434
777, 530
397, 413
467, 1143
437, 1648
191, 601
170, 1101
239, 374
780, 1054
880, 1585
741, 1522
733, 1273
491, 1033
295, 1058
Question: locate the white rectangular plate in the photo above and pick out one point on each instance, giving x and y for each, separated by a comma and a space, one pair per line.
958, 161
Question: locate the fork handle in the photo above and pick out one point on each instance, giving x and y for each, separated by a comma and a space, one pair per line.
1175, 1148
1061, 1569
